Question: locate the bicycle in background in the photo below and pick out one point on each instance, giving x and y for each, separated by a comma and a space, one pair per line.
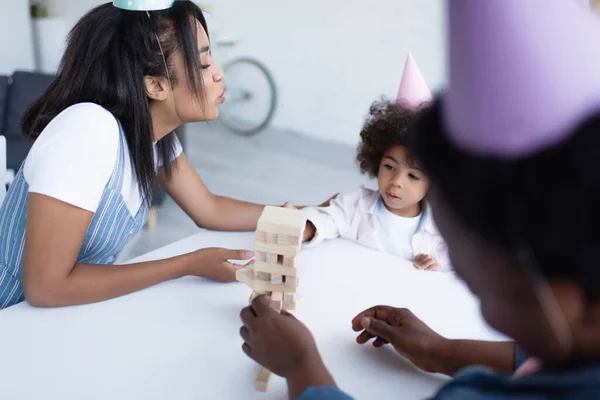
251, 97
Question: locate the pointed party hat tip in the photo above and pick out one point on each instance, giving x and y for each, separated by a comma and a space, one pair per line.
143, 5
413, 92
523, 74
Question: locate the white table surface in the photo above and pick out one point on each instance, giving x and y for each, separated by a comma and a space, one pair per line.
179, 340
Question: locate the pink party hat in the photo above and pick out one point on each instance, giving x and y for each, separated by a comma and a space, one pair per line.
523, 74
413, 92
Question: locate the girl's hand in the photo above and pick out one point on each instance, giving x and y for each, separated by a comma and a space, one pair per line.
214, 263
427, 263
309, 231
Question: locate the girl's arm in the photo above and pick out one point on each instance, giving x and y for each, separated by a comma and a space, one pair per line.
333, 220
52, 277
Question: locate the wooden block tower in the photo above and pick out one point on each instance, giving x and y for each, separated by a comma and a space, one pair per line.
274, 271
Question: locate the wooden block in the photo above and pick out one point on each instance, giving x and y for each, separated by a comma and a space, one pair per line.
246, 276
277, 300
289, 262
261, 236
271, 258
296, 228
287, 240
271, 238
262, 380
282, 239
289, 298
276, 279
280, 214
293, 312
282, 220
260, 256
242, 275
289, 250
263, 276
275, 269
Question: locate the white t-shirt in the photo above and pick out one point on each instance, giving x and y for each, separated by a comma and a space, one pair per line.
74, 157
395, 232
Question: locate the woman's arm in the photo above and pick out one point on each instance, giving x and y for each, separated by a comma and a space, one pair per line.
204, 208
52, 278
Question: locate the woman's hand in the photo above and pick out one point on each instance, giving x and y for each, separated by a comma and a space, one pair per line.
215, 264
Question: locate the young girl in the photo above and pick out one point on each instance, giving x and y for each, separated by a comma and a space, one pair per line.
394, 219
102, 135
513, 152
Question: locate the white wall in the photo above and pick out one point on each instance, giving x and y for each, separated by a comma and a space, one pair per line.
330, 58
16, 43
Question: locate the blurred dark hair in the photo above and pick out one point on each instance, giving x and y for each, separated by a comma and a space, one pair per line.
108, 53
387, 125
549, 201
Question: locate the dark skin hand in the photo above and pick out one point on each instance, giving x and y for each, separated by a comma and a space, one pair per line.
426, 349
284, 345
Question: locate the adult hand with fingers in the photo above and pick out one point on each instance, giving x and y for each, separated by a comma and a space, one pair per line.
215, 263
426, 349
409, 336
282, 344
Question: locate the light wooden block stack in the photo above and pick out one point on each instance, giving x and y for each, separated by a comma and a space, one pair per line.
274, 271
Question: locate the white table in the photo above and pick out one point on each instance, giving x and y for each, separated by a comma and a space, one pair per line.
179, 340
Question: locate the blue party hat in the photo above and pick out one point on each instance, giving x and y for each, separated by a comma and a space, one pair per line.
143, 5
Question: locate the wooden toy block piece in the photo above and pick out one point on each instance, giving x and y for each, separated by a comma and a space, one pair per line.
271, 258
275, 269
261, 236
263, 276
262, 380
293, 312
246, 276
271, 238
276, 279
289, 298
288, 250
289, 262
281, 228
260, 256
282, 239
277, 300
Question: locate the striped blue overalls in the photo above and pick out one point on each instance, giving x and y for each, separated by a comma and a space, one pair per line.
111, 227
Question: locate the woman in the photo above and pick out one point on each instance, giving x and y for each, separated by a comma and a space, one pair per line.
102, 138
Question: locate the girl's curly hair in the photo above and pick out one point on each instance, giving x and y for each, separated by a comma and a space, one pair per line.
387, 125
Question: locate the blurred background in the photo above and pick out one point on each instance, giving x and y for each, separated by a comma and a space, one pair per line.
301, 77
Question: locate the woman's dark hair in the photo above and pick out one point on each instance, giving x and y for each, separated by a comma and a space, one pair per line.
108, 53
549, 202
387, 125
